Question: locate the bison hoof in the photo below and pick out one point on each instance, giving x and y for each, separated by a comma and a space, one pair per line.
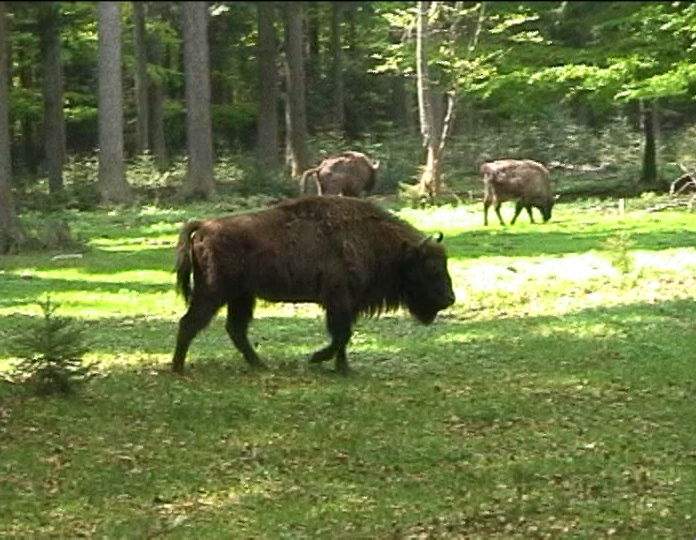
344, 370
322, 356
258, 365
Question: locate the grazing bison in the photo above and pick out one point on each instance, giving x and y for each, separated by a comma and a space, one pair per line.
346, 254
524, 181
350, 173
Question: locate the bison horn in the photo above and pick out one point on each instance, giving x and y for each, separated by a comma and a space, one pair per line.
437, 237
375, 166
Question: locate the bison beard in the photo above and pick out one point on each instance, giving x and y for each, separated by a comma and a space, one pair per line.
347, 255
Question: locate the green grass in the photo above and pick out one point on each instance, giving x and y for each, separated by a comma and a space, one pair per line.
556, 396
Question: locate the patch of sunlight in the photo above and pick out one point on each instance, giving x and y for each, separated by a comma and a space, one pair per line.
134, 244
669, 259
100, 305
449, 219
82, 275
282, 309
517, 273
109, 359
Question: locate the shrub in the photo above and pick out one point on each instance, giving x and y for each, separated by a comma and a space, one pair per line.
50, 353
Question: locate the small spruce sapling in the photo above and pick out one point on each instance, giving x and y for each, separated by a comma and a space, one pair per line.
50, 352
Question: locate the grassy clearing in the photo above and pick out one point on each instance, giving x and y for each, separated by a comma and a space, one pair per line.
555, 397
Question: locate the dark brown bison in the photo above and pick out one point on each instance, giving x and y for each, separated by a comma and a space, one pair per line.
350, 173
346, 254
522, 180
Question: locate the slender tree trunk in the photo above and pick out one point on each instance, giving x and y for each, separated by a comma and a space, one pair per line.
649, 172
295, 87
141, 78
350, 119
54, 119
339, 112
29, 153
11, 235
312, 67
157, 140
199, 181
267, 128
430, 130
112, 181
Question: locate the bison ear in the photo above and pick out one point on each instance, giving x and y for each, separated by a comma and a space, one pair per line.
409, 252
438, 237
375, 165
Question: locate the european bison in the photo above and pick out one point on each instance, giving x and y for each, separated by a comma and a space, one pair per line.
350, 173
346, 254
522, 180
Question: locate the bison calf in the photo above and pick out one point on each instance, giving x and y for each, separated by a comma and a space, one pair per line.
524, 181
346, 254
350, 174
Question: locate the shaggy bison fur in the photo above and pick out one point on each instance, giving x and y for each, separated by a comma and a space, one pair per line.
346, 254
522, 180
350, 173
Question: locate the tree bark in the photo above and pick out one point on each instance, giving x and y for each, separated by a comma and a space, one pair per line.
339, 112
157, 140
28, 128
199, 181
267, 127
297, 116
141, 78
649, 171
112, 181
11, 234
430, 181
54, 118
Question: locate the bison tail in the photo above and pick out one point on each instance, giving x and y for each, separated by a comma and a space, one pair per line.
305, 175
184, 259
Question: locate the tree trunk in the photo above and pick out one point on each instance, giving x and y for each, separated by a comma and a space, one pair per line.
29, 154
11, 235
649, 172
158, 144
315, 112
339, 112
112, 181
297, 135
199, 181
351, 122
430, 181
267, 128
54, 119
141, 79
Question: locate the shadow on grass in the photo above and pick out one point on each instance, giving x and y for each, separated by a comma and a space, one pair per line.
512, 243
640, 334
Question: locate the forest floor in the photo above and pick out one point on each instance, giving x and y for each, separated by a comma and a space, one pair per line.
556, 396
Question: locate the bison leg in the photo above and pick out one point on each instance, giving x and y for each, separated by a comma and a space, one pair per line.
339, 324
198, 316
518, 208
497, 213
529, 211
486, 205
239, 314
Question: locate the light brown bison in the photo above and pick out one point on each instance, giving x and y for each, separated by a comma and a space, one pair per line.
522, 180
350, 173
346, 254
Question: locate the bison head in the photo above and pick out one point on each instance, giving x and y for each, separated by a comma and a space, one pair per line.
426, 283
546, 208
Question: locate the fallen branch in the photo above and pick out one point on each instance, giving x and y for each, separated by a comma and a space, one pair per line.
682, 183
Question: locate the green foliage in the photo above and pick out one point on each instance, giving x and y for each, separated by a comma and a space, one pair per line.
50, 353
